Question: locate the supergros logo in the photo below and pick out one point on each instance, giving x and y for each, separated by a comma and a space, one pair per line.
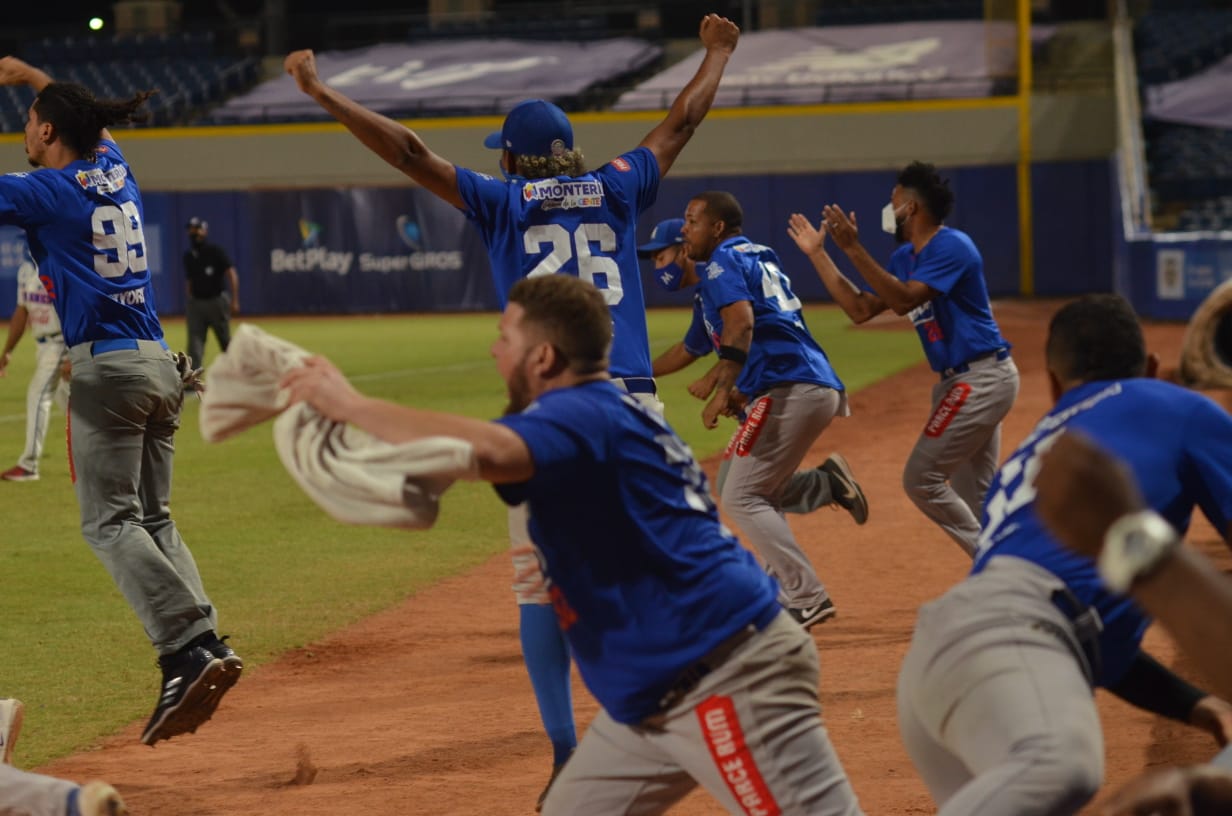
314, 254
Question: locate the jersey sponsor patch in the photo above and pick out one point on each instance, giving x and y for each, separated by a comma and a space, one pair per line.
949, 407
725, 738
745, 437
111, 181
555, 194
621, 165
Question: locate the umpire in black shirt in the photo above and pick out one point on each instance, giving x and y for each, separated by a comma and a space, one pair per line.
210, 305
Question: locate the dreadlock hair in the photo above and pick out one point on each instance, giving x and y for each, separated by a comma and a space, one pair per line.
923, 180
572, 315
78, 116
567, 163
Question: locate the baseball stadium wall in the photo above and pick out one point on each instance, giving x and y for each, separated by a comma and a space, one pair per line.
317, 224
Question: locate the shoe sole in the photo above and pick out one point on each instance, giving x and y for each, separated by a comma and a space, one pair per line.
10, 739
859, 510
198, 704
20, 478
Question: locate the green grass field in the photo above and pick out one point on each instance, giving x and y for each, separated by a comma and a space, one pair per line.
281, 572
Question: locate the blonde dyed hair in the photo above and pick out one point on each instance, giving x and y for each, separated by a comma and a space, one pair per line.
567, 163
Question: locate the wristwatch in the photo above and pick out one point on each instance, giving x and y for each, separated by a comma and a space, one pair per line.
1133, 546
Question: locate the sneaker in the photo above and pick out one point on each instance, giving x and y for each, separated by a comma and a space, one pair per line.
846, 491
10, 727
810, 616
194, 681
556, 769
97, 799
17, 473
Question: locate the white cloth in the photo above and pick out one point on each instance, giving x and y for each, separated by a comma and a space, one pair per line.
353, 476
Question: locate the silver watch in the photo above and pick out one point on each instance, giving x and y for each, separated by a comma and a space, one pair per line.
1133, 546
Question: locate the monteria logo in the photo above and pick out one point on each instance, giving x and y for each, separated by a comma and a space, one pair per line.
564, 195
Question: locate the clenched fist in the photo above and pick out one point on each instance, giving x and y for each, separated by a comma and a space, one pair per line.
302, 66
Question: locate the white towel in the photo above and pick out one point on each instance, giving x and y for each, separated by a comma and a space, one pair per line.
353, 476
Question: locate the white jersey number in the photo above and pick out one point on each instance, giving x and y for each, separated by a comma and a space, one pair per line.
118, 230
1017, 488
565, 247
772, 279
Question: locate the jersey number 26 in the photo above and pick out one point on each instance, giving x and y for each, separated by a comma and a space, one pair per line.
599, 270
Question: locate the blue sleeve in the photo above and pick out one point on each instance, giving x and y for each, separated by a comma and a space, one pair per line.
636, 173
558, 443
111, 149
24, 200
942, 268
723, 279
1206, 472
697, 339
483, 196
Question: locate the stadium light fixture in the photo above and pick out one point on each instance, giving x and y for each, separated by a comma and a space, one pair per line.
96, 24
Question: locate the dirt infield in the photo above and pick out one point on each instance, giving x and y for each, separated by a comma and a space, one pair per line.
426, 709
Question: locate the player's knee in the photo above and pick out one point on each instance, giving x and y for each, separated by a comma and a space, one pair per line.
1068, 765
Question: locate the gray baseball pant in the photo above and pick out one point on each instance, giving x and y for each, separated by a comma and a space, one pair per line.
762, 456
203, 314
806, 490
957, 454
994, 703
124, 412
29, 794
750, 733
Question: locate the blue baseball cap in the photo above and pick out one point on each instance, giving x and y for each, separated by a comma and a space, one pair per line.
662, 236
535, 127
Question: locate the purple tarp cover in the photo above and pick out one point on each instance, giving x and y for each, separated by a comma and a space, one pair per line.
481, 74
852, 63
1204, 99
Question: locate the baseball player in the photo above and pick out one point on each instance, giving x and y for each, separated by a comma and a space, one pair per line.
82, 214
30, 794
48, 383
550, 215
995, 693
937, 279
828, 484
213, 289
702, 677
1082, 493
753, 321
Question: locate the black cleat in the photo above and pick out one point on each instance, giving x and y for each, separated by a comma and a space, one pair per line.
194, 681
810, 616
844, 488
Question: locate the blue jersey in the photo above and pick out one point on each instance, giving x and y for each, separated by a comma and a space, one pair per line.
644, 578
782, 350
1179, 447
957, 325
584, 226
84, 227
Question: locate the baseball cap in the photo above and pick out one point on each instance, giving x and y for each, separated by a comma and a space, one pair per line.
663, 235
533, 128
197, 222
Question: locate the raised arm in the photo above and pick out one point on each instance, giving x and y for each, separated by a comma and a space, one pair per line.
900, 296
397, 145
859, 305
718, 36
16, 72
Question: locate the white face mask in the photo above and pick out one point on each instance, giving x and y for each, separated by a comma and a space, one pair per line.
889, 219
